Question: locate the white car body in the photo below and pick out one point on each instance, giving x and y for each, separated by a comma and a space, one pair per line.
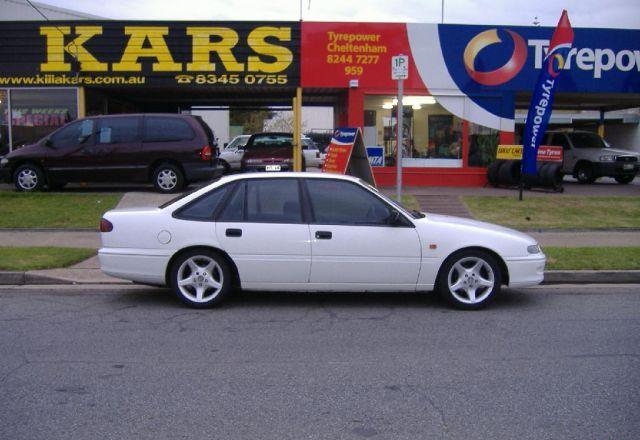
233, 152
312, 156
291, 257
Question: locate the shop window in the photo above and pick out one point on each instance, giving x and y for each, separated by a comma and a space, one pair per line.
37, 112
483, 143
445, 137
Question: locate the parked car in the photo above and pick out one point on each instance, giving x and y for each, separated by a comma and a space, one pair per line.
273, 151
587, 157
231, 155
311, 232
168, 150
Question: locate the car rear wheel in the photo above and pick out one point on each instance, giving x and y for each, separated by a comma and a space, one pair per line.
28, 178
584, 173
469, 279
168, 178
200, 278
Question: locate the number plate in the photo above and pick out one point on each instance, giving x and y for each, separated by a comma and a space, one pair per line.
627, 166
272, 168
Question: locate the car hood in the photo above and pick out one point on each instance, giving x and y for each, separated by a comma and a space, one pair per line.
619, 152
484, 234
27, 150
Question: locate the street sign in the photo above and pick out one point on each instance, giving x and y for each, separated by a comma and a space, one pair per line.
400, 67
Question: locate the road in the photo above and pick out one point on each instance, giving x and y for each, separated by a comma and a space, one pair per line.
553, 362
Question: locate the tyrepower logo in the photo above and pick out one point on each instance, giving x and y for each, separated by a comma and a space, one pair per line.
595, 60
506, 72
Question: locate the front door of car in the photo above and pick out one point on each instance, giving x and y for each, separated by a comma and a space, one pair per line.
354, 245
66, 159
262, 230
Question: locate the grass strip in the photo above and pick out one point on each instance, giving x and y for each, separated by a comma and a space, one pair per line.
33, 258
592, 258
54, 210
556, 211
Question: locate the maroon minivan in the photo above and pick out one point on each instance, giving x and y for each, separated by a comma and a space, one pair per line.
168, 150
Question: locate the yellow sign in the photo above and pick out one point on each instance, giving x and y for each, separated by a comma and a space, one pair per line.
509, 152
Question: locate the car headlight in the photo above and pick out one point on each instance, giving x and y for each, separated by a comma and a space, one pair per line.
607, 158
534, 249
4, 161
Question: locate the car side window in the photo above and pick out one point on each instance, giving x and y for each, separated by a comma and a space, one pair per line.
203, 208
73, 135
166, 129
265, 201
118, 130
343, 203
561, 140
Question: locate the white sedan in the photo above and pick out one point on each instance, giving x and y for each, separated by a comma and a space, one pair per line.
311, 232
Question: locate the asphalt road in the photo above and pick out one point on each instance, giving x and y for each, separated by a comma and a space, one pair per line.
116, 363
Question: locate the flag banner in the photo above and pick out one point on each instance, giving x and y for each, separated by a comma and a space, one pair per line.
542, 98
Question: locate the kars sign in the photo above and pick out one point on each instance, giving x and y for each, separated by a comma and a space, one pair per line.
400, 67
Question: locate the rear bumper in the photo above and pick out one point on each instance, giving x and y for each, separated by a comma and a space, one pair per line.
194, 172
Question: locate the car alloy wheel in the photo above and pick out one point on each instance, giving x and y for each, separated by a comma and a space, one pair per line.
584, 174
28, 178
200, 278
469, 279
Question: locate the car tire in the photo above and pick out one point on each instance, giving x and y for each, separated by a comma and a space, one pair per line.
28, 178
226, 166
584, 173
168, 178
623, 180
200, 278
469, 279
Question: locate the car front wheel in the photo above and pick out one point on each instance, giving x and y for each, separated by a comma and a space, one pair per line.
469, 279
168, 178
584, 173
28, 178
200, 278
625, 179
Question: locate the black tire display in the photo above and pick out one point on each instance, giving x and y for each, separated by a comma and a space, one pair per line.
168, 178
469, 279
200, 278
28, 178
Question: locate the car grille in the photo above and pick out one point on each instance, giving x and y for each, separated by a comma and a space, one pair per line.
626, 159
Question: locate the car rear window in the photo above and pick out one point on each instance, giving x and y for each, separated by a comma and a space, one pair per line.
167, 129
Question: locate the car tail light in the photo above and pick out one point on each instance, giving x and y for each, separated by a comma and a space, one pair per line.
105, 225
206, 153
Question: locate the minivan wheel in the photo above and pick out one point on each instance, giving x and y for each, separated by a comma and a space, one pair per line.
28, 178
168, 178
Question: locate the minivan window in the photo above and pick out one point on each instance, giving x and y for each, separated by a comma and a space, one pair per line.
73, 134
166, 129
118, 130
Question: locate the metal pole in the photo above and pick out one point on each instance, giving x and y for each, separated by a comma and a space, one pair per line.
399, 141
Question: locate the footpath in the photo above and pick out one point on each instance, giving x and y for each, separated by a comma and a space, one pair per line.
441, 200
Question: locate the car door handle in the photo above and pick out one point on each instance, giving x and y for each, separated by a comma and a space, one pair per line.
323, 235
233, 232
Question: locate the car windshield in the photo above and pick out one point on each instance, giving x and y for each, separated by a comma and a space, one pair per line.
587, 140
238, 141
271, 140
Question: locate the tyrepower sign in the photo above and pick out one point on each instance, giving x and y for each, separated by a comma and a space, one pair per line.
187, 54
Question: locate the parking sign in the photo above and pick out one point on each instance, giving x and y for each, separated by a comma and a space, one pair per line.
400, 67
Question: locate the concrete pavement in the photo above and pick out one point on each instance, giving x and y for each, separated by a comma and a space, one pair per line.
432, 199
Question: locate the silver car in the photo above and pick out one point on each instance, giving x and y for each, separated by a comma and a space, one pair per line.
232, 153
587, 157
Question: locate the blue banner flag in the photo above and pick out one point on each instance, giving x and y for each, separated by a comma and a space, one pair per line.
542, 99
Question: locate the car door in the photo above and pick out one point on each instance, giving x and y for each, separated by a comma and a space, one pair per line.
66, 158
262, 230
116, 155
353, 244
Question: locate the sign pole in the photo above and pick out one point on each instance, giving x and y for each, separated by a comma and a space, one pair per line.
399, 141
399, 71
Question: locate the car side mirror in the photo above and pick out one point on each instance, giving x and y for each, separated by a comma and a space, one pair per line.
48, 143
395, 219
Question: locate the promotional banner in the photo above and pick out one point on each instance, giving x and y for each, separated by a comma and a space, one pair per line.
542, 100
347, 155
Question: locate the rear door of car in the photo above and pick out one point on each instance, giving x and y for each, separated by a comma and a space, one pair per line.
116, 155
354, 247
263, 231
